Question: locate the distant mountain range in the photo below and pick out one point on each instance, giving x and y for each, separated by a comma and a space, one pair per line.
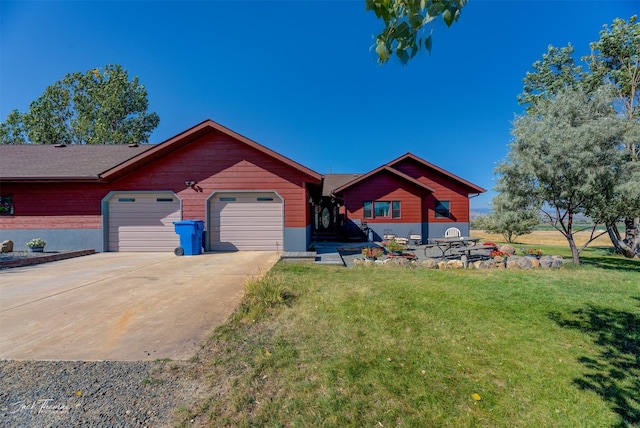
477, 212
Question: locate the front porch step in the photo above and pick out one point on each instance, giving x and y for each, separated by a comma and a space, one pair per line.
326, 258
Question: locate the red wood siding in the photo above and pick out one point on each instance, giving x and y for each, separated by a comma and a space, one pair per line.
216, 162
384, 187
446, 189
54, 206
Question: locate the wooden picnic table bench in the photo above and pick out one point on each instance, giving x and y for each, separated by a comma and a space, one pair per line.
467, 252
480, 250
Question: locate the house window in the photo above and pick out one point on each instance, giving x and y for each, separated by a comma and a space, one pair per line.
6, 205
395, 209
442, 209
381, 209
367, 209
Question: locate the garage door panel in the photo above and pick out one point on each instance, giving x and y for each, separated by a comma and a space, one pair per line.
137, 222
246, 221
141, 222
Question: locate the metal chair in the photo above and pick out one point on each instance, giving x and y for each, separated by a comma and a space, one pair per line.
388, 235
415, 238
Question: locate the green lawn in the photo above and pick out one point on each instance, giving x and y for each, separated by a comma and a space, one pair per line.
393, 347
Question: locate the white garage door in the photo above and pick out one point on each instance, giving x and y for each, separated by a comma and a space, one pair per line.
246, 221
143, 222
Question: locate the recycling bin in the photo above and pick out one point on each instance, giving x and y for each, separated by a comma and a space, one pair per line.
190, 233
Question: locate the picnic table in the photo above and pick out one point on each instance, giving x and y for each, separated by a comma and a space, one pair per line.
446, 244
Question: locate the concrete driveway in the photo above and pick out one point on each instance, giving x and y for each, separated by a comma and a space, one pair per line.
121, 306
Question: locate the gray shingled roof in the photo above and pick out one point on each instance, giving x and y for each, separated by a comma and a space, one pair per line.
32, 161
333, 181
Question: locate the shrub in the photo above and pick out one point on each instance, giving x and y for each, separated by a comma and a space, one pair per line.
36, 242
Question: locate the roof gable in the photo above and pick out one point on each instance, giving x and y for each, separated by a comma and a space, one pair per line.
383, 168
190, 135
31, 162
411, 157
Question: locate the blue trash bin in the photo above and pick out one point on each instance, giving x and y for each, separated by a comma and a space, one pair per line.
190, 233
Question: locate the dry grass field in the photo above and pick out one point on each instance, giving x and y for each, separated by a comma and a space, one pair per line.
545, 237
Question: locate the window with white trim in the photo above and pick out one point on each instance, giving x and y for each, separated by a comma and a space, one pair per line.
382, 209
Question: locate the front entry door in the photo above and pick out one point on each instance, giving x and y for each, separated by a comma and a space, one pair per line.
326, 218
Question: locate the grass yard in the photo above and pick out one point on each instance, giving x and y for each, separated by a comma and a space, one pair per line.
327, 346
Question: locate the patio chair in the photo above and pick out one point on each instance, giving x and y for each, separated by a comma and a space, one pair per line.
388, 235
452, 232
414, 238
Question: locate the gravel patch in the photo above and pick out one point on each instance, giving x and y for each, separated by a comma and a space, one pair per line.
19, 255
93, 394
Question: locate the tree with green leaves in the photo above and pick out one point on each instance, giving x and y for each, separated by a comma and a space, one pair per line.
95, 107
615, 60
564, 160
507, 219
406, 23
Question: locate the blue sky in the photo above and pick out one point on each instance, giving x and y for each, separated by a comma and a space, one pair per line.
300, 77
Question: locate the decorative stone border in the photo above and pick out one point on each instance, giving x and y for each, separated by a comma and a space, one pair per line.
512, 262
43, 258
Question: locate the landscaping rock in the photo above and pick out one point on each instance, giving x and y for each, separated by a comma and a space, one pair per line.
513, 264
523, 262
546, 261
7, 246
509, 249
398, 261
557, 261
455, 264
430, 264
363, 262
482, 264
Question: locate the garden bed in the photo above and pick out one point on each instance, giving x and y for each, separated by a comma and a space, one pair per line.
27, 258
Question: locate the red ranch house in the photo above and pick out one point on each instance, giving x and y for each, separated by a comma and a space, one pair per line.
123, 198
407, 196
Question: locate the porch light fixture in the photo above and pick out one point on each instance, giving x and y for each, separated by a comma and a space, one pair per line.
190, 183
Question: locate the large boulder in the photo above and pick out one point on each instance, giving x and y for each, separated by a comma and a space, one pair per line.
7, 246
455, 264
546, 261
430, 264
507, 248
513, 264
557, 261
523, 262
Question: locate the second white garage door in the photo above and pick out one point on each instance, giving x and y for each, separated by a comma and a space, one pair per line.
245, 221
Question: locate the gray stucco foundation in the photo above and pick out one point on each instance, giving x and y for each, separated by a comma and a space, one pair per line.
57, 239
